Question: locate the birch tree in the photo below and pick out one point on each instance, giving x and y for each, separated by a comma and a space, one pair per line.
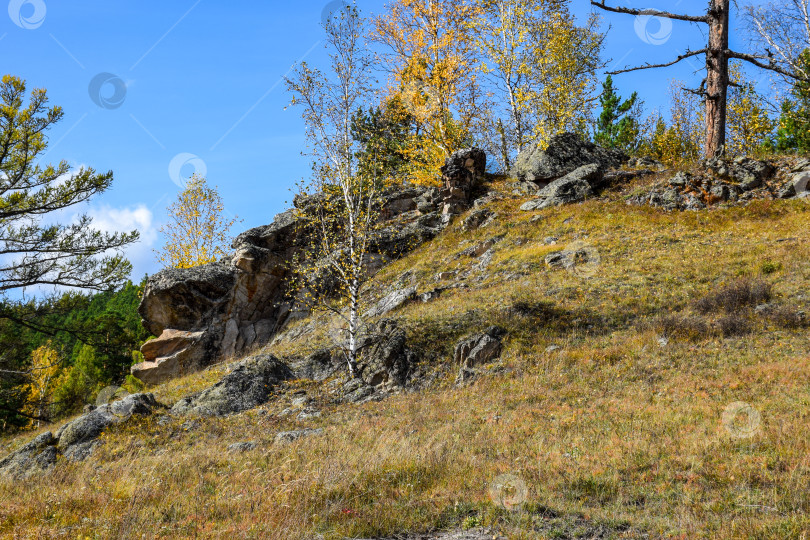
541, 68
341, 196
198, 230
432, 59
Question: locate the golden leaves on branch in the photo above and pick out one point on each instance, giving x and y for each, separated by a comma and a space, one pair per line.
198, 231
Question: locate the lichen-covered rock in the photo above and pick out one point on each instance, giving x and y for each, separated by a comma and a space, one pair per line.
746, 172
575, 186
76, 439
89, 426
563, 154
290, 436
385, 358
477, 350
248, 385
36, 456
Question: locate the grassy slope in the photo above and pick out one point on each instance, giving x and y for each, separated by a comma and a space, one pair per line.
611, 432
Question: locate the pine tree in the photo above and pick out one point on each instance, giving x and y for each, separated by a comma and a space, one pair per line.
616, 126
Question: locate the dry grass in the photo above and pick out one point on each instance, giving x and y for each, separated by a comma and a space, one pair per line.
615, 431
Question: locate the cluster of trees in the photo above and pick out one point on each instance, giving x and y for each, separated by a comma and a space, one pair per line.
507, 73
55, 353
59, 353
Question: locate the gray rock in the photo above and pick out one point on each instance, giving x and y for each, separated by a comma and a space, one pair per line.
290, 436
240, 447
385, 359
88, 427
680, 180
477, 350
482, 247
573, 187
392, 301
479, 218
248, 385
76, 439
801, 184
36, 456
318, 365
563, 154
748, 173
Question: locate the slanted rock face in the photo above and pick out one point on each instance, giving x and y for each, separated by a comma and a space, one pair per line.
563, 154
575, 186
248, 385
205, 314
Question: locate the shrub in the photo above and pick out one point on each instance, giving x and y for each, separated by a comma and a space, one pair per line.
734, 296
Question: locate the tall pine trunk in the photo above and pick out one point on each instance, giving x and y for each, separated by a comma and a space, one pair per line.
717, 78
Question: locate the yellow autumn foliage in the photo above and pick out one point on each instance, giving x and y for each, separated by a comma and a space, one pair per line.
197, 232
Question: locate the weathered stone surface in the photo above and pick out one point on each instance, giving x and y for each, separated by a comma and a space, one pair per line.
385, 358
801, 184
564, 153
89, 426
576, 186
479, 218
290, 436
461, 174
477, 350
248, 385
748, 173
38, 455
392, 301
240, 447
172, 353
76, 439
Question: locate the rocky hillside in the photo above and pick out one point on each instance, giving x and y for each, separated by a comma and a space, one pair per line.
595, 347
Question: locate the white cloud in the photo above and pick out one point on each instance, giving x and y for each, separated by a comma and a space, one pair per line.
111, 219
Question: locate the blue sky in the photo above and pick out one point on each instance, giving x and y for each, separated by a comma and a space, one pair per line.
199, 82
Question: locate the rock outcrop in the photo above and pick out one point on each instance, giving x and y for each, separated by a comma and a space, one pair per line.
726, 182
477, 350
76, 439
563, 154
575, 186
205, 314
461, 174
249, 384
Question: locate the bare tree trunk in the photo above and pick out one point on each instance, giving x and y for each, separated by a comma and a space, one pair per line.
717, 78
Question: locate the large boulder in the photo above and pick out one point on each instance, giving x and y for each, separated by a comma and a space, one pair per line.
563, 154
248, 385
575, 186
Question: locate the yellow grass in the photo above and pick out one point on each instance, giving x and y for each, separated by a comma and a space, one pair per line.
609, 432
